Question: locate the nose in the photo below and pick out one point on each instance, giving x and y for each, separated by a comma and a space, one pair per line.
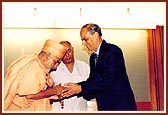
84, 42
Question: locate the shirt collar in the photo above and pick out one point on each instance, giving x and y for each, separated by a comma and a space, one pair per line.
98, 49
63, 66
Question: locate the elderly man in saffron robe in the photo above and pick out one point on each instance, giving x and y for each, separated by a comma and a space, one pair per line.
28, 84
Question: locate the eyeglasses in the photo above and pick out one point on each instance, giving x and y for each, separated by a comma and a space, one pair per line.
55, 60
69, 50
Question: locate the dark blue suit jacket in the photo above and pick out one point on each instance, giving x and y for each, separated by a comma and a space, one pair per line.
108, 81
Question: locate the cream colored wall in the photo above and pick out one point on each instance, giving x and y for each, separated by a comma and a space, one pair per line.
134, 46
18, 42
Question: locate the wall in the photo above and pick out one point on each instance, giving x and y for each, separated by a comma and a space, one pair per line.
18, 42
107, 14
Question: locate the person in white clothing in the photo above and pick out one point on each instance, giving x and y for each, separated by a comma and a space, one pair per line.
70, 70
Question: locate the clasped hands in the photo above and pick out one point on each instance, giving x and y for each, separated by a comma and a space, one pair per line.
67, 89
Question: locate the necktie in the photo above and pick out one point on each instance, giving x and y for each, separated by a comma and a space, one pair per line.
96, 59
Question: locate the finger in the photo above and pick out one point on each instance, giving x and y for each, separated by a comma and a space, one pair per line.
65, 84
65, 90
66, 95
59, 84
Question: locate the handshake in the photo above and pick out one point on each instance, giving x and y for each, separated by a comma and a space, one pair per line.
58, 92
67, 89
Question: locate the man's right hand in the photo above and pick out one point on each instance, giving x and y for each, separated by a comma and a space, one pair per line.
71, 89
58, 89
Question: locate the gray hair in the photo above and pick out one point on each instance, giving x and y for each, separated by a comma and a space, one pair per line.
92, 28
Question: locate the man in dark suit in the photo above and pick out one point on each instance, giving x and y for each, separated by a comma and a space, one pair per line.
108, 81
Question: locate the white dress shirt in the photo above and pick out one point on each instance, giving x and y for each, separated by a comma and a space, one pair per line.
80, 73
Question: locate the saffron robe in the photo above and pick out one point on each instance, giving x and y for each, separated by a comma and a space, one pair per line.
25, 76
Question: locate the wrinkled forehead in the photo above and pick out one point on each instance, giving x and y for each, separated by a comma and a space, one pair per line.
84, 32
66, 45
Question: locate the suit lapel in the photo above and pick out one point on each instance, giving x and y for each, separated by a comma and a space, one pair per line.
102, 48
92, 64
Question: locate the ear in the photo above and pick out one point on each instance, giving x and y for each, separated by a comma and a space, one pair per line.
72, 48
96, 35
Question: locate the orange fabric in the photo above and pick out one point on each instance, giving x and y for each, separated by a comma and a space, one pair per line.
25, 76
54, 48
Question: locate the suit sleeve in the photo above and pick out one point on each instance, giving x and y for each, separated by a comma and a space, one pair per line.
108, 74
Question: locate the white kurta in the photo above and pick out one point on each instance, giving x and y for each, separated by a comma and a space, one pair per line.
80, 73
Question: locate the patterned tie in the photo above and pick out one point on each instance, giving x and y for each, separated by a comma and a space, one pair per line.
96, 58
